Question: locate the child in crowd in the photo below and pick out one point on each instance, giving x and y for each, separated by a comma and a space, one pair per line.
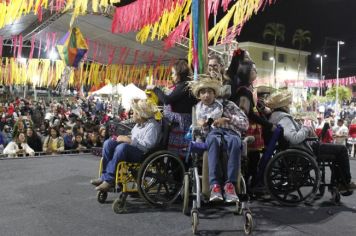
228, 121
79, 142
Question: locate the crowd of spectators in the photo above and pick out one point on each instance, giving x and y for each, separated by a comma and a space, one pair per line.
35, 127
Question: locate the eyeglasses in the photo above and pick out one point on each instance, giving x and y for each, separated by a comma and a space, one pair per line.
213, 65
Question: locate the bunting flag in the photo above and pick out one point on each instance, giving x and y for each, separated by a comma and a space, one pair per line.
10, 11
72, 47
33, 39
347, 81
178, 33
167, 23
135, 16
240, 12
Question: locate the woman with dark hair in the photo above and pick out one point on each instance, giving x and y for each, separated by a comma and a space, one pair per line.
179, 103
245, 97
325, 134
33, 140
18, 147
53, 143
238, 57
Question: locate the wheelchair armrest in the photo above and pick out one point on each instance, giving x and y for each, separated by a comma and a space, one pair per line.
198, 146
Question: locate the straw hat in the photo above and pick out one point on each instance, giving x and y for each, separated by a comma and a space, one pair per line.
205, 81
279, 99
144, 108
265, 89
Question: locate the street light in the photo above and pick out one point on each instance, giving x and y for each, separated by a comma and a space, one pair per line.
321, 69
337, 75
273, 70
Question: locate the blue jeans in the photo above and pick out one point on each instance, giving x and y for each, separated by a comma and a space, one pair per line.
233, 149
115, 152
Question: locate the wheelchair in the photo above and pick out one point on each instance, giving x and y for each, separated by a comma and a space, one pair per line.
196, 186
158, 179
294, 174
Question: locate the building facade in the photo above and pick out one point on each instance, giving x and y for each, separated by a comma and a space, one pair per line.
286, 64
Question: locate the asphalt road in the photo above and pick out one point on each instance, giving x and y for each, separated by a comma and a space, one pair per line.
52, 196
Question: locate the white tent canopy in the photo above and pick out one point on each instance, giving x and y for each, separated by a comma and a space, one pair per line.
129, 93
109, 89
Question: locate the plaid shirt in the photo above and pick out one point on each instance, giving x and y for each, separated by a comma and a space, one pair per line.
238, 119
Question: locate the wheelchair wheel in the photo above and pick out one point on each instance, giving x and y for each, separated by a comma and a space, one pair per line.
195, 221
119, 205
186, 194
248, 226
292, 177
101, 196
160, 178
241, 190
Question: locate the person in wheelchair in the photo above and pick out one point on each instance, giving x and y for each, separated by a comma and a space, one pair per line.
294, 134
218, 121
144, 136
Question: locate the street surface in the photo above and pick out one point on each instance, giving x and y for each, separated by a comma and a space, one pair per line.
52, 196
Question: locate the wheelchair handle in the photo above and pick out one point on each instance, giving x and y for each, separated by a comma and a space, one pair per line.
312, 139
249, 139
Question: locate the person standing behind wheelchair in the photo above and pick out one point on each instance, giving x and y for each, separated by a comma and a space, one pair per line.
228, 123
279, 103
178, 106
144, 136
243, 74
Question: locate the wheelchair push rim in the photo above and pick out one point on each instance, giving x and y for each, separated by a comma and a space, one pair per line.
160, 178
292, 177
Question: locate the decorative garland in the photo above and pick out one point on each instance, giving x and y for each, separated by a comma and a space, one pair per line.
324, 83
46, 73
135, 16
241, 11
166, 24
10, 11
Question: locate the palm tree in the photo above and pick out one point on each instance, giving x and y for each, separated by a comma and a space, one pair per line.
302, 37
276, 31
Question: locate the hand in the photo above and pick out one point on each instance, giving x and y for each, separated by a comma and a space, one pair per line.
221, 121
274, 127
202, 123
20, 151
214, 74
123, 139
150, 87
312, 132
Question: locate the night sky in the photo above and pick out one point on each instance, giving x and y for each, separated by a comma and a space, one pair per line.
324, 18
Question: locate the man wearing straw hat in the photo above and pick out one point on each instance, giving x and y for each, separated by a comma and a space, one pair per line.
144, 136
279, 102
228, 121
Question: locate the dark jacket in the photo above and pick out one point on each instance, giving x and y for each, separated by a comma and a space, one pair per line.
181, 100
245, 92
35, 143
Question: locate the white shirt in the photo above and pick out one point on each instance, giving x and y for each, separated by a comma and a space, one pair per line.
341, 131
12, 148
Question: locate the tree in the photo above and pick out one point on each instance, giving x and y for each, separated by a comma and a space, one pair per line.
276, 31
301, 37
344, 93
